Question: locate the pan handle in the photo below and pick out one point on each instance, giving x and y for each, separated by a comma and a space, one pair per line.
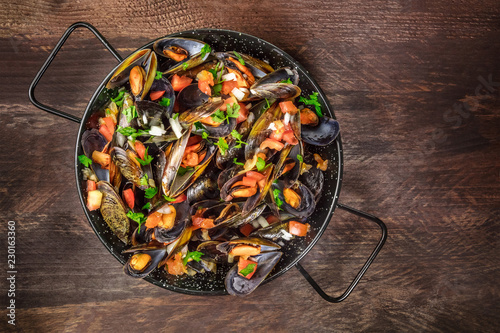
51, 57
363, 270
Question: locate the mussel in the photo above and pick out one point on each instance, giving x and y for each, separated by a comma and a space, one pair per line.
298, 200
144, 260
179, 54
323, 134
114, 212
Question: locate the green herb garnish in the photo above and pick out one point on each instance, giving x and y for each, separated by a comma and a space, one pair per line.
176, 115
218, 116
261, 164
299, 157
182, 170
278, 201
235, 161
217, 88
205, 49
119, 98
169, 199
237, 136
144, 180
233, 111
204, 135
185, 65
146, 206
247, 270
150, 192
137, 217
164, 101
84, 160
158, 75
222, 145
287, 81
313, 100
267, 104
129, 131
195, 255
130, 113
240, 59
147, 158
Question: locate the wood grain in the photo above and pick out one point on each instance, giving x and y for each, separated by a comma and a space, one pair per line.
398, 74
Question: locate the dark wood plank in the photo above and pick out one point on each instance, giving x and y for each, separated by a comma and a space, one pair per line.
398, 74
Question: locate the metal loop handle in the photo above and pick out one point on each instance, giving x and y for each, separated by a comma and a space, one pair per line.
363, 270
51, 57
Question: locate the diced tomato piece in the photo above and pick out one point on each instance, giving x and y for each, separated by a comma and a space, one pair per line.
230, 101
251, 182
129, 196
242, 264
154, 219
243, 114
180, 198
272, 219
256, 175
194, 140
297, 228
277, 134
200, 222
106, 133
205, 80
91, 185
180, 82
288, 107
205, 87
247, 229
154, 95
110, 123
94, 199
101, 158
290, 138
140, 149
228, 86
175, 265
271, 144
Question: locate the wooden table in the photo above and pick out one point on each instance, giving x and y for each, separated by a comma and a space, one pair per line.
415, 85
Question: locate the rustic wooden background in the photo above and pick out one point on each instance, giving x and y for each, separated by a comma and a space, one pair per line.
420, 125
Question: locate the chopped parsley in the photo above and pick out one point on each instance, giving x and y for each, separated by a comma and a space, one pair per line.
130, 113
185, 65
146, 206
267, 104
217, 88
313, 100
144, 180
261, 164
119, 98
147, 158
198, 125
235, 161
158, 75
84, 160
182, 170
169, 199
195, 255
218, 116
205, 49
277, 199
164, 101
137, 217
204, 135
237, 136
300, 158
287, 81
223, 146
247, 270
176, 116
240, 59
233, 111
150, 192
129, 131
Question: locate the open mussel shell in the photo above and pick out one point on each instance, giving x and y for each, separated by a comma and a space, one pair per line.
307, 203
227, 174
241, 219
144, 260
220, 212
257, 67
169, 235
206, 264
224, 161
142, 235
113, 211
264, 244
121, 75
185, 50
313, 179
239, 286
204, 188
289, 164
260, 131
189, 117
221, 131
151, 113
129, 168
191, 97
325, 133
91, 141
209, 248
278, 76
275, 90
173, 159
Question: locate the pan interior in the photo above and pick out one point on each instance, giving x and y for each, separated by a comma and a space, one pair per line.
293, 251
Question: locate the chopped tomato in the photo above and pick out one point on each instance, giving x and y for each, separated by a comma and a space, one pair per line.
290, 138
205, 87
94, 199
140, 149
297, 228
200, 222
154, 95
246, 229
272, 219
129, 196
180, 82
271, 144
175, 265
106, 133
101, 158
110, 123
288, 107
180, 198
243, 114
247, 181
278, 132
154, 219
230, 101
91, 185
228, 86
194, 140
256, 175
242, 264
205, 80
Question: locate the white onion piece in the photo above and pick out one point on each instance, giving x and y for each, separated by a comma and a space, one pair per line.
176, 126
145, 119
289, 71
287, 118
249, 105
229, 77
253, 92
286, 235
230, 258
262, 221
271, 126
165, 209
157, 131
251, 117
238, 94
255, 224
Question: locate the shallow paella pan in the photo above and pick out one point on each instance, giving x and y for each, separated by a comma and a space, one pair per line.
293, 251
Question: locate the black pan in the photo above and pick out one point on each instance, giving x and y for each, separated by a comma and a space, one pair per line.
293, 251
